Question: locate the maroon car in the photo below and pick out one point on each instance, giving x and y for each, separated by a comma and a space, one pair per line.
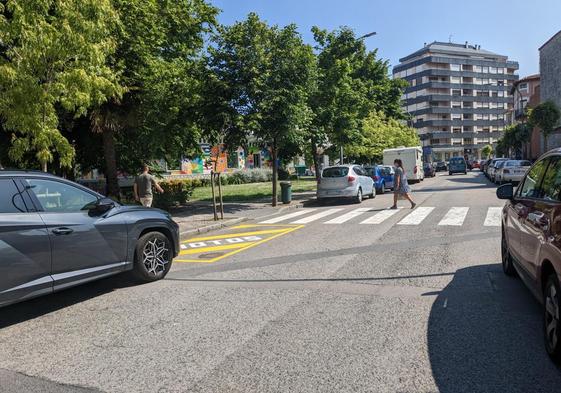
531, 239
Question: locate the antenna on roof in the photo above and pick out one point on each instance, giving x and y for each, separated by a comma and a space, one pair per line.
466, 44
450, 39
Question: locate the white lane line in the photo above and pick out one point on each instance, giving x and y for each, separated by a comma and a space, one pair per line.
298, 213
380, 217
455, 216
493, 218
316, 216
348, 216
416, 216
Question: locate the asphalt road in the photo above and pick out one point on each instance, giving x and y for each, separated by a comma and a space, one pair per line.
346, 301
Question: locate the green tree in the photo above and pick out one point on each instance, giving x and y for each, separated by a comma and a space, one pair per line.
268, 72
487, 151
351, 83
546, 117
158, 61
52, 58
380, 132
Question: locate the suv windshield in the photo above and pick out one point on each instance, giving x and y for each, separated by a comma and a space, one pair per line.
340, 171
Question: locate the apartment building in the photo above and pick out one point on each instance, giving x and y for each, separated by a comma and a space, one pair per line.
457, 97
550, 86
525, 93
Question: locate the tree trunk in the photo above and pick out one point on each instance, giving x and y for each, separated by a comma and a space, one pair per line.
110, 163
44, 166
275, 171
315, 159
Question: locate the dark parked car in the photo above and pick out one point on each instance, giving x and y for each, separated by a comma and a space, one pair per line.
55, 234
441, 166
531, 239
430, 169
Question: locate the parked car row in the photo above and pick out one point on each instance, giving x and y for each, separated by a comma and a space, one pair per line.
354, 182
503, 170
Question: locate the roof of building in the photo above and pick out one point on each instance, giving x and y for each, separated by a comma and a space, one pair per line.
551, 39
454, 49
529, 78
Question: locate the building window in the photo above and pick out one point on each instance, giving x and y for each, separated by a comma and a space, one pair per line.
523, 87
477, 68
456, 92
454, 67
456, 104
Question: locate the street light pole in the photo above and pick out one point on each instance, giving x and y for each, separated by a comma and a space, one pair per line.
367, 35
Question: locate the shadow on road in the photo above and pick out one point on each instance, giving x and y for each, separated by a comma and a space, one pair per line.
484, 335
34, 308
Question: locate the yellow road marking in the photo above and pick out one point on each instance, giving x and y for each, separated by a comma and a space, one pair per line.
229, 235
246, 246
213, 248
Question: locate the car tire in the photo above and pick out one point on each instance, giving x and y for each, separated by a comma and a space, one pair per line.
506, 258
465, 173
383, 189
153, 257
449, 173
551, 321
358, 197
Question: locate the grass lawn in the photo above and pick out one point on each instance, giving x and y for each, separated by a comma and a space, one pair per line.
250, 192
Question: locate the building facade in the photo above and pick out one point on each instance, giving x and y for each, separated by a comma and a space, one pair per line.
525, 93
457, 97
550, 85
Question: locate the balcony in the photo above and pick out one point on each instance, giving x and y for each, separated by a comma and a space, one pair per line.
457, 123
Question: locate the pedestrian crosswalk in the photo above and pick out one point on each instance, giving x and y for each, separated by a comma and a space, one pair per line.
447, 217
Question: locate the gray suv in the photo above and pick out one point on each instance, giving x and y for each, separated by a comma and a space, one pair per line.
55, 234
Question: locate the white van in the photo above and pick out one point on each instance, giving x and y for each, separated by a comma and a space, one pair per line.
412, 158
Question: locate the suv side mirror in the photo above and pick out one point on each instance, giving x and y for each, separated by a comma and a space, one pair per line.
506, 191
102, 206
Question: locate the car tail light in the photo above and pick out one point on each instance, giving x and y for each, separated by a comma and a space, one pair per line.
351, 179
376, 178
416, 169
506, 170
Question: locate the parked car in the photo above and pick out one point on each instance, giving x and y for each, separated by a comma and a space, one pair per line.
345, 181
457, 165
511, 171
475, 164
491, 167
430, 169
375, 172
497, 168
388, 173
531, 239
56, 234
441, 166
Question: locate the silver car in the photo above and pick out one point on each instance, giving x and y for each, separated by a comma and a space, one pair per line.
512, 171
56, 234
345, 181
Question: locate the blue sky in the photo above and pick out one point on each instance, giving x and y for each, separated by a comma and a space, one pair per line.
516, 28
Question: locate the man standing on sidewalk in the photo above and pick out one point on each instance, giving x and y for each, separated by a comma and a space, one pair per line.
143, 187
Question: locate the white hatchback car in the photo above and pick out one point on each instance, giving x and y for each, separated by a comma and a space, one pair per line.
345, 181
512, 171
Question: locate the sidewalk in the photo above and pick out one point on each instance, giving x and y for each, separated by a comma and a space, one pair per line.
197, 217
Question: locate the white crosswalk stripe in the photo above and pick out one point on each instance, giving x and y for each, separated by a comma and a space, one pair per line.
416, 216
316, 216
455, 216
348, 216
298, 213
380, 217
493, 218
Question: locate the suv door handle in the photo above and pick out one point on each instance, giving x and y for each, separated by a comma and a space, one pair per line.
62, 231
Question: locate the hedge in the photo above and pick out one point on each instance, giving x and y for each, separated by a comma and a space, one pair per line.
178, 192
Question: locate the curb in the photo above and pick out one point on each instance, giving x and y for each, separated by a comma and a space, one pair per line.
282, 210
214, 227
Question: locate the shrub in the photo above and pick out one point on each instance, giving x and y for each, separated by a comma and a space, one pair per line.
176, 192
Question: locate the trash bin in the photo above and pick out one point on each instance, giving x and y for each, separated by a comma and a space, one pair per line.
286, 191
